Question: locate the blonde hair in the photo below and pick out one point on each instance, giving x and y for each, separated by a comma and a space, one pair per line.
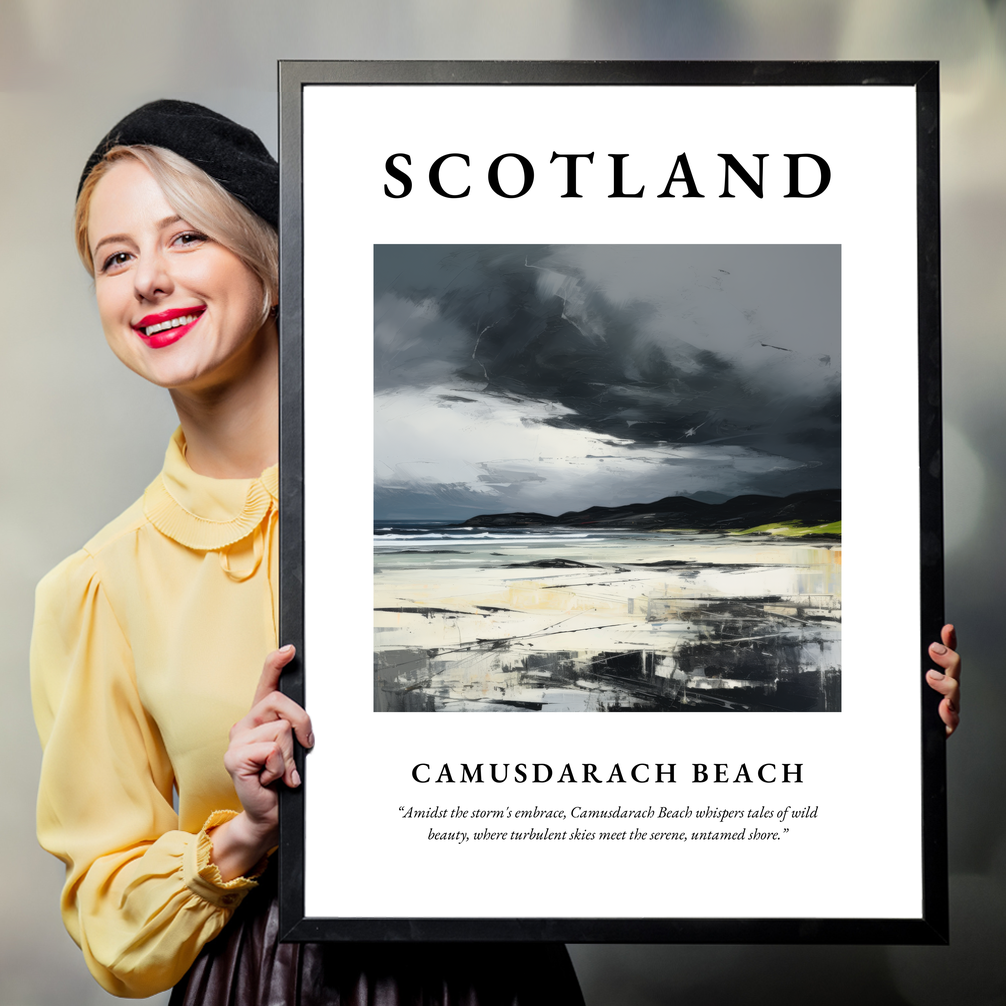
199, 200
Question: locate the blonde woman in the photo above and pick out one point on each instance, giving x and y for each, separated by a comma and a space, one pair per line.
165, 735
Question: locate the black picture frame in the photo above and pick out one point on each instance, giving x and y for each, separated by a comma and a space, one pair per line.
931, 924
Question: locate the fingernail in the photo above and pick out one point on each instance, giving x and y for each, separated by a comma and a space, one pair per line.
938, 648
310, 740
951, 706
295, 777
936, 676
287, 649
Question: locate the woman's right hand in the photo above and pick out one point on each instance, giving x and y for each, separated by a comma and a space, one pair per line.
259, 754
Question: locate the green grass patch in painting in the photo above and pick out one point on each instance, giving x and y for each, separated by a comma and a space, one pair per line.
796, 530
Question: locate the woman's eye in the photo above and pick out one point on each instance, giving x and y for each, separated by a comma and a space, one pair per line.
190, 238
114, 261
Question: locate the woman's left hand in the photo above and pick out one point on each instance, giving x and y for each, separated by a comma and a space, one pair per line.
948, 681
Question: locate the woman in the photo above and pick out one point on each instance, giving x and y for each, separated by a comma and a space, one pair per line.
148, 643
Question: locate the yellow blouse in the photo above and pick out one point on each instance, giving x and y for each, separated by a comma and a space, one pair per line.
147, 647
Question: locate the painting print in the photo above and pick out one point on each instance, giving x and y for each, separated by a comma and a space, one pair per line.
607, 478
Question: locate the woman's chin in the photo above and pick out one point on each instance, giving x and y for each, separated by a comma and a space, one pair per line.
172, 374
196, 365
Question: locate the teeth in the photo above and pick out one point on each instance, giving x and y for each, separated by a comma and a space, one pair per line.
174, 323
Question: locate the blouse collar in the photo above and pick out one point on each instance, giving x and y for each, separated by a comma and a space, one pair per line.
204, 513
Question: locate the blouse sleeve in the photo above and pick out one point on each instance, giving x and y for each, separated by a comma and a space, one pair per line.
141, 898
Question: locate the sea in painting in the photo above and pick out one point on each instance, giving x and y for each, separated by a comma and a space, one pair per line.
607, 479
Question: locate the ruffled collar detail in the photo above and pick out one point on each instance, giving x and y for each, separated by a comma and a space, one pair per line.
203, 513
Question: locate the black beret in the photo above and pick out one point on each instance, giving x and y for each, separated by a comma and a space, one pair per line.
231, 154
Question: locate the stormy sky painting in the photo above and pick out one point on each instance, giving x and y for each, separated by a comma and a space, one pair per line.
607, 478
554, 378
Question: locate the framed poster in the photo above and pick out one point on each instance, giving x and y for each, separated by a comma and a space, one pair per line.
612, 388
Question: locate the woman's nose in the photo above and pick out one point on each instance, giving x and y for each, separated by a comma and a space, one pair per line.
152, 277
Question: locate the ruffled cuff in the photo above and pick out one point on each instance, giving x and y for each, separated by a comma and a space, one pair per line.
203, 878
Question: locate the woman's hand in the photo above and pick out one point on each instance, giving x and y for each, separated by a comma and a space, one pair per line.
948, 681
260, 753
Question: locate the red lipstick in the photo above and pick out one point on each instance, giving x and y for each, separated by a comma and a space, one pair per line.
166, 327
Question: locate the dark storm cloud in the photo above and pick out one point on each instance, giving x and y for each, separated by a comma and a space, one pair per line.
655, 345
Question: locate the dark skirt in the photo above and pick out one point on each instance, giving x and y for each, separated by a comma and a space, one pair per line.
246, 965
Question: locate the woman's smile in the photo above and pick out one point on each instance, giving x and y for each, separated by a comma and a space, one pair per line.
167, 327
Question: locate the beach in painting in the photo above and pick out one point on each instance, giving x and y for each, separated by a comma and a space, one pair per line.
566, 619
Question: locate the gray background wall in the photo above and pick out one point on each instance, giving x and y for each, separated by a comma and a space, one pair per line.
82, 436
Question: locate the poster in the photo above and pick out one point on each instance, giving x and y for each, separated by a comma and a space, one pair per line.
601, 393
